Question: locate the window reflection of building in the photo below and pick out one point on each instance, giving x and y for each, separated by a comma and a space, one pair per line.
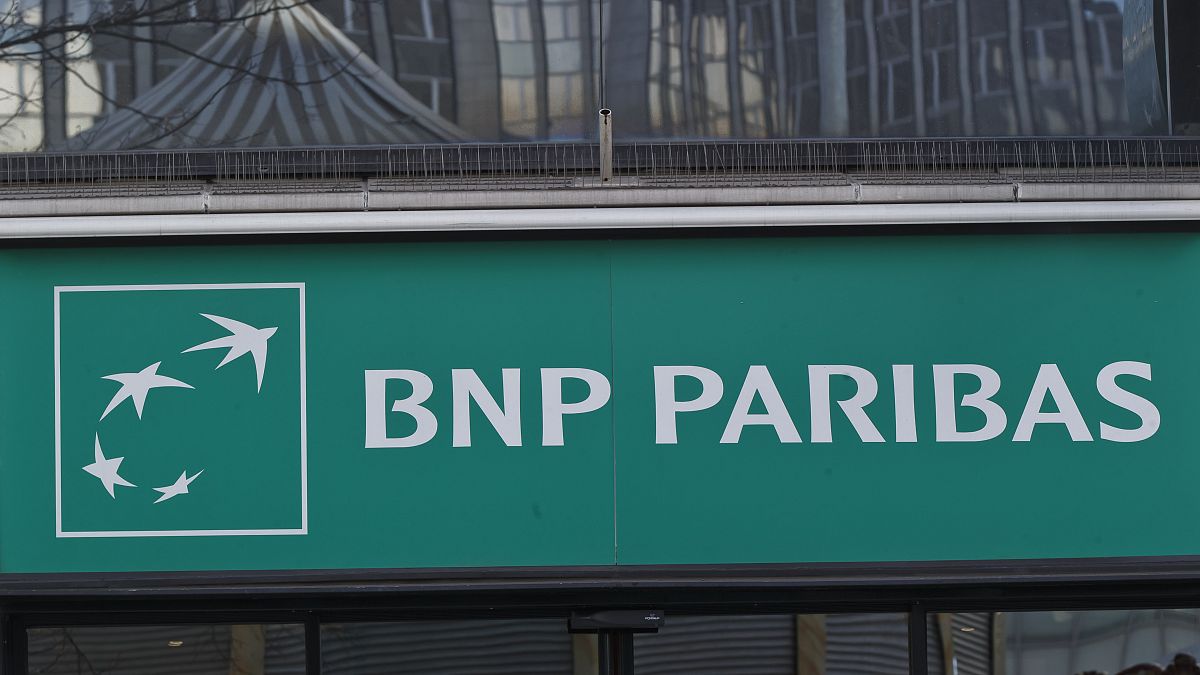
409, 39
895, 48
665, 67
568, 81
528, 69
523, 103
995, 107
20, 85
1068, 81
1121, 642
545, 67
1049, 67
943, 100
1104, 37
760, 33
420, 35
805, 84
56, 80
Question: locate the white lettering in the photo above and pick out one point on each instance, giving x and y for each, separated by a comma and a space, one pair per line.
468, 387
945, 403
553, 408
1106, 384
906, 409
818, 388
666, 406
758, 382
376, 403
1049, 380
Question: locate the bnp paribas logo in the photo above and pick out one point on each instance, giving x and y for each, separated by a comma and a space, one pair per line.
180, 410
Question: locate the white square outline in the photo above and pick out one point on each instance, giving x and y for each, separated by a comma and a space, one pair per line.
58, 530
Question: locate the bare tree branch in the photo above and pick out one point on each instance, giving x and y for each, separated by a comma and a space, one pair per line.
20, 33
64, 44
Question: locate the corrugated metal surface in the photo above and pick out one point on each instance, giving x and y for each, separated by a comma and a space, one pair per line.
933, 646
856, 644
866, 643
719, 645
495, 647
147, 650
973, 647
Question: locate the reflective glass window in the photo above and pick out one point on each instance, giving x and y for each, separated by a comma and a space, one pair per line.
494, 646
1116, 642
208, 649
102, 76
775, 644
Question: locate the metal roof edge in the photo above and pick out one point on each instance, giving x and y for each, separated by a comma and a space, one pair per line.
914, 215
200, 199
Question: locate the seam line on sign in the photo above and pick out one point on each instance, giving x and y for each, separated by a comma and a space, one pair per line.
612, 369
58, 530
303, 414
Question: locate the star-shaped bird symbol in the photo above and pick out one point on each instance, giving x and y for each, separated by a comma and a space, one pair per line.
137, 385
179, 487
106, 470
243, 339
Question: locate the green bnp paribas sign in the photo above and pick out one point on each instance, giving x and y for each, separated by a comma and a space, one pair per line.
598, 402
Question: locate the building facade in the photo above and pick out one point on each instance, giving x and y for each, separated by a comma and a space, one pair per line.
529, 71
340, 338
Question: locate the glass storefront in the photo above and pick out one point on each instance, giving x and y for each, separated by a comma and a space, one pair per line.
776, 644
745, 644
185, 649
516, 646
1060, 642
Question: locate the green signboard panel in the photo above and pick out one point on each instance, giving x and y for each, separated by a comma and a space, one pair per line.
557, 403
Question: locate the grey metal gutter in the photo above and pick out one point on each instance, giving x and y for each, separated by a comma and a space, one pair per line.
302, 197
551, 219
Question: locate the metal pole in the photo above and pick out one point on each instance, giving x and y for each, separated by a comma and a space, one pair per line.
606, 145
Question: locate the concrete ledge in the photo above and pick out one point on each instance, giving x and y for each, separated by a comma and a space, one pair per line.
907, 194
1037, 192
